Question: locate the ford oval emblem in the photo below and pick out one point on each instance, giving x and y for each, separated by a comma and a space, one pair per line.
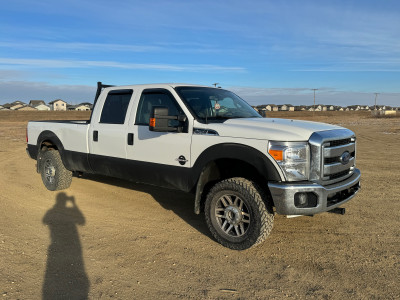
345, 158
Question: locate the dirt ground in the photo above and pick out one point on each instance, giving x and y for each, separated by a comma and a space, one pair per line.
105, 238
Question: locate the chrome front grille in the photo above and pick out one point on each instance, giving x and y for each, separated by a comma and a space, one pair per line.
333, 156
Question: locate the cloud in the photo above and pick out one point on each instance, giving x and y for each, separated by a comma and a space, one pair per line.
57, 63
26, 91
76, 46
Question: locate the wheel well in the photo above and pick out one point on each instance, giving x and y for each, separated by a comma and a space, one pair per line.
43, 147
47, 145
222, 169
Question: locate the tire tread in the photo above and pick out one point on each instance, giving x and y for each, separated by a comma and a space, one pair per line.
263, 207
63, 176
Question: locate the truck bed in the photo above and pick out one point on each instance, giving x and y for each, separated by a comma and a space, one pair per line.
72, 134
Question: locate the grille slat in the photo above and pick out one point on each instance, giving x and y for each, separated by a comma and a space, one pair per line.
339, 142
333, 156
339, 174
333, 169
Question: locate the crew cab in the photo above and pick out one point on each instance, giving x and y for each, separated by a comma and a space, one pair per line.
241, 168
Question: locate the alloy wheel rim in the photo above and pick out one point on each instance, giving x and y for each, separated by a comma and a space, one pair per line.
49, 171
233, 216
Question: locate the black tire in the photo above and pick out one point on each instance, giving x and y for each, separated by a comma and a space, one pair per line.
238, 213
54, 175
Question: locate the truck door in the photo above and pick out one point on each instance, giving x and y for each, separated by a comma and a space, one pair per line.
161, 158
108, 133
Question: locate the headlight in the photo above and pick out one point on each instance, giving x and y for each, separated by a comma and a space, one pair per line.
293, 158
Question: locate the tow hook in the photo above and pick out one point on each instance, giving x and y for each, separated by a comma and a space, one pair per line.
338, 210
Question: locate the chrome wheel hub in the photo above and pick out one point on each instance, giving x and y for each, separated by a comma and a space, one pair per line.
233, 215
49, 171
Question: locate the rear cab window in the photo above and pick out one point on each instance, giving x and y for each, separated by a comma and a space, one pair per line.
115, 107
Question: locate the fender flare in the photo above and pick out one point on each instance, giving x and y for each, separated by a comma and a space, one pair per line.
50, 136
247, 154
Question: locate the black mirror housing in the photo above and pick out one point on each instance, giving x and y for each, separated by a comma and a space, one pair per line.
159, 120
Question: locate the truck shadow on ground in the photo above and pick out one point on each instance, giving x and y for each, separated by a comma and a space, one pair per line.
181, 203
65, 276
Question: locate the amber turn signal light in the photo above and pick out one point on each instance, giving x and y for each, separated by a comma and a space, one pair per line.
276, 154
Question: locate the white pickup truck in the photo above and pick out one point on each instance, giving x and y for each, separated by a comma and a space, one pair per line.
242, 168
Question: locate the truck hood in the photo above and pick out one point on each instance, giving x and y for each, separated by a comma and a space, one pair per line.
268, 128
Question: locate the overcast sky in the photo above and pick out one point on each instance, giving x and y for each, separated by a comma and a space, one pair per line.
265, 51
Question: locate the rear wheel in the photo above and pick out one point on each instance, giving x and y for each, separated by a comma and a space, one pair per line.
54, 175
238, 213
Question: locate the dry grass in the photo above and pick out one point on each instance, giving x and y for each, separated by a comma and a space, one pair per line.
25, 116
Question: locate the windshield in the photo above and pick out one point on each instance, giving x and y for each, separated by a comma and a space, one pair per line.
212, 104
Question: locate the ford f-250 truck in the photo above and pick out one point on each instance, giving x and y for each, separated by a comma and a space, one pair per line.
242, 168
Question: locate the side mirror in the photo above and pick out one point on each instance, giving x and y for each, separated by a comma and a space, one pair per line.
159, 120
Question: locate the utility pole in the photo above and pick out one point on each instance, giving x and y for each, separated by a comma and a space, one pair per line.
314, 101
215, 84
376, 96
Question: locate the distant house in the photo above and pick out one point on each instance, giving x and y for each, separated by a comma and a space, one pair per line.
42, 107
321, 107
16, 106
272, 107
18, 103
58, 104
26, 107
286, 107
79, 107
354, 107
88, 104
39, 105
34, 103
267, 107
300, 108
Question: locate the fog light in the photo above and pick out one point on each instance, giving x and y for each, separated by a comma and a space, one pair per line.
300, 200
303, 200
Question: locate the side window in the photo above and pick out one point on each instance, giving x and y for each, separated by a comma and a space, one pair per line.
150, 99
115, 107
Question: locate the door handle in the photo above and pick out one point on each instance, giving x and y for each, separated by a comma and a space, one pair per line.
130, 139
95, 135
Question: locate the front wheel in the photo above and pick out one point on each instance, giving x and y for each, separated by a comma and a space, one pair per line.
238, 213
54, 175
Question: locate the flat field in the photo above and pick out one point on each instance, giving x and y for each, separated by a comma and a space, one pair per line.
121, 240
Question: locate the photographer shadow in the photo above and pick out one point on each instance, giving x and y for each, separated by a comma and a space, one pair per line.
65, 276
179, 202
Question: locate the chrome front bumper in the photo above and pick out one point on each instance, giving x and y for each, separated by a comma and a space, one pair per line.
328, 197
